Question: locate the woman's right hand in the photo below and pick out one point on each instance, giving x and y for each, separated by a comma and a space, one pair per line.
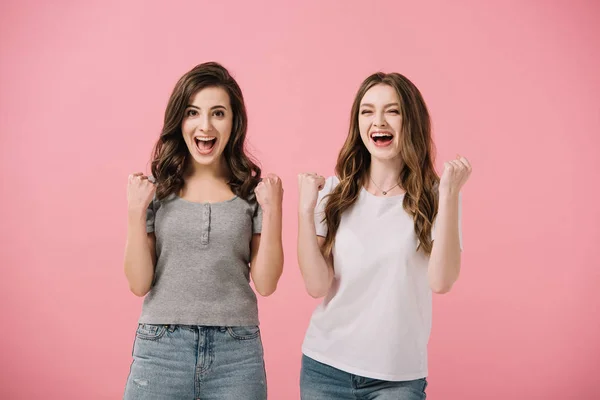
140, 192
309, 186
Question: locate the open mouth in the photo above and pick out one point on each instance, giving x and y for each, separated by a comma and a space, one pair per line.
205, 144
382, 139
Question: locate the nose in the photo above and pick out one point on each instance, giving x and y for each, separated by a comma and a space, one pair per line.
205, 124
379, 120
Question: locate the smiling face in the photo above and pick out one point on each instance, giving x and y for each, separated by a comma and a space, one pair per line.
207, 125
380, 122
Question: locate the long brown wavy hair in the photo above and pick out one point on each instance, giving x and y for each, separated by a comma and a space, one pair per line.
417, 176
171, 155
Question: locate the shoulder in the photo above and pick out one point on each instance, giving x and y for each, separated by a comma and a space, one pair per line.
250, 199
330, 184
249, 204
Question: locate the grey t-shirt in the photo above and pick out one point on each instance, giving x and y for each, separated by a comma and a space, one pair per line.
202, 274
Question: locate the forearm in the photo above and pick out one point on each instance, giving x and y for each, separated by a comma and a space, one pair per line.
268, 265
316, 271
444, 262
139, 255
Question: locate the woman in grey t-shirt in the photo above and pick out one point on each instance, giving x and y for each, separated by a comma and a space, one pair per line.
198, 230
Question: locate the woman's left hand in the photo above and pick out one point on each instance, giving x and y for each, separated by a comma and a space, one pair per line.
455, 175
269, 192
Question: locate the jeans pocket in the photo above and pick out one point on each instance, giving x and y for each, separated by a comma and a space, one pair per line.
150, 332
243, 332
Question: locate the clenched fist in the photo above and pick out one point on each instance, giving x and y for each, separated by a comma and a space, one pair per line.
309, 186
455, 175
269, 192
140, 192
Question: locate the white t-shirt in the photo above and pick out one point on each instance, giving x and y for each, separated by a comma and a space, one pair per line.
376, 319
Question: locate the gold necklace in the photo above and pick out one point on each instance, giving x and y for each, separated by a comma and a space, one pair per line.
384, 192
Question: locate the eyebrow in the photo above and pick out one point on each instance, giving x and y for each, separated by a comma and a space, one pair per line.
212, 108
386, 106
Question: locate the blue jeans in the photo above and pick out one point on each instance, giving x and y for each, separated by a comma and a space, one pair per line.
320, 381
197, 362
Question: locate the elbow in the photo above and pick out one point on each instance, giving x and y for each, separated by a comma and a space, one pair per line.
139, 290
441, 281
316, 292
266, 285
315, 287
139, 282
266, 291
440, 288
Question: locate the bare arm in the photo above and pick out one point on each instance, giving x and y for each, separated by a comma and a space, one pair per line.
445, 259
140, 249
317, 271
266, 266
266, 263
140, 257
444, 263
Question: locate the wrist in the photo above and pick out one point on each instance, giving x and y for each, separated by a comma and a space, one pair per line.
448, 198
135, 214
271, 209
308, 212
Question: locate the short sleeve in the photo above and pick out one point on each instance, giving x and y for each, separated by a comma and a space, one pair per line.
459, 223
257, 218
320, 224
150, 218
151, 210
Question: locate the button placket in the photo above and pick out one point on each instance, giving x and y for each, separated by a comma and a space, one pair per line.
205, 224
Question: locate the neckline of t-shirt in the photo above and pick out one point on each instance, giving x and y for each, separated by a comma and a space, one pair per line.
369, 194
205, 203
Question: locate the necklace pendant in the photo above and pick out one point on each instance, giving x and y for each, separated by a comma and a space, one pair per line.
384, 193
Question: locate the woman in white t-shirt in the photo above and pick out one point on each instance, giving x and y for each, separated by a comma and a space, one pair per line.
366, 244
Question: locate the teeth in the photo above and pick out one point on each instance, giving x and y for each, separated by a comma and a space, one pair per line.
204, 138
381, 135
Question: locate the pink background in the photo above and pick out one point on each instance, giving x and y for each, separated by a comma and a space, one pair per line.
513, 85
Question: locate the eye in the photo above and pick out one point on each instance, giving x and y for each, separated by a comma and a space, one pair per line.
365, 112
393, 111
219, 113
191, 112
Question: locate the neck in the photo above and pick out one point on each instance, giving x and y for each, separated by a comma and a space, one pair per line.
385, 173
217, 170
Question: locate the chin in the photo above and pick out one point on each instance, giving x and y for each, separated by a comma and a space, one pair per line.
203, 160
384, 154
